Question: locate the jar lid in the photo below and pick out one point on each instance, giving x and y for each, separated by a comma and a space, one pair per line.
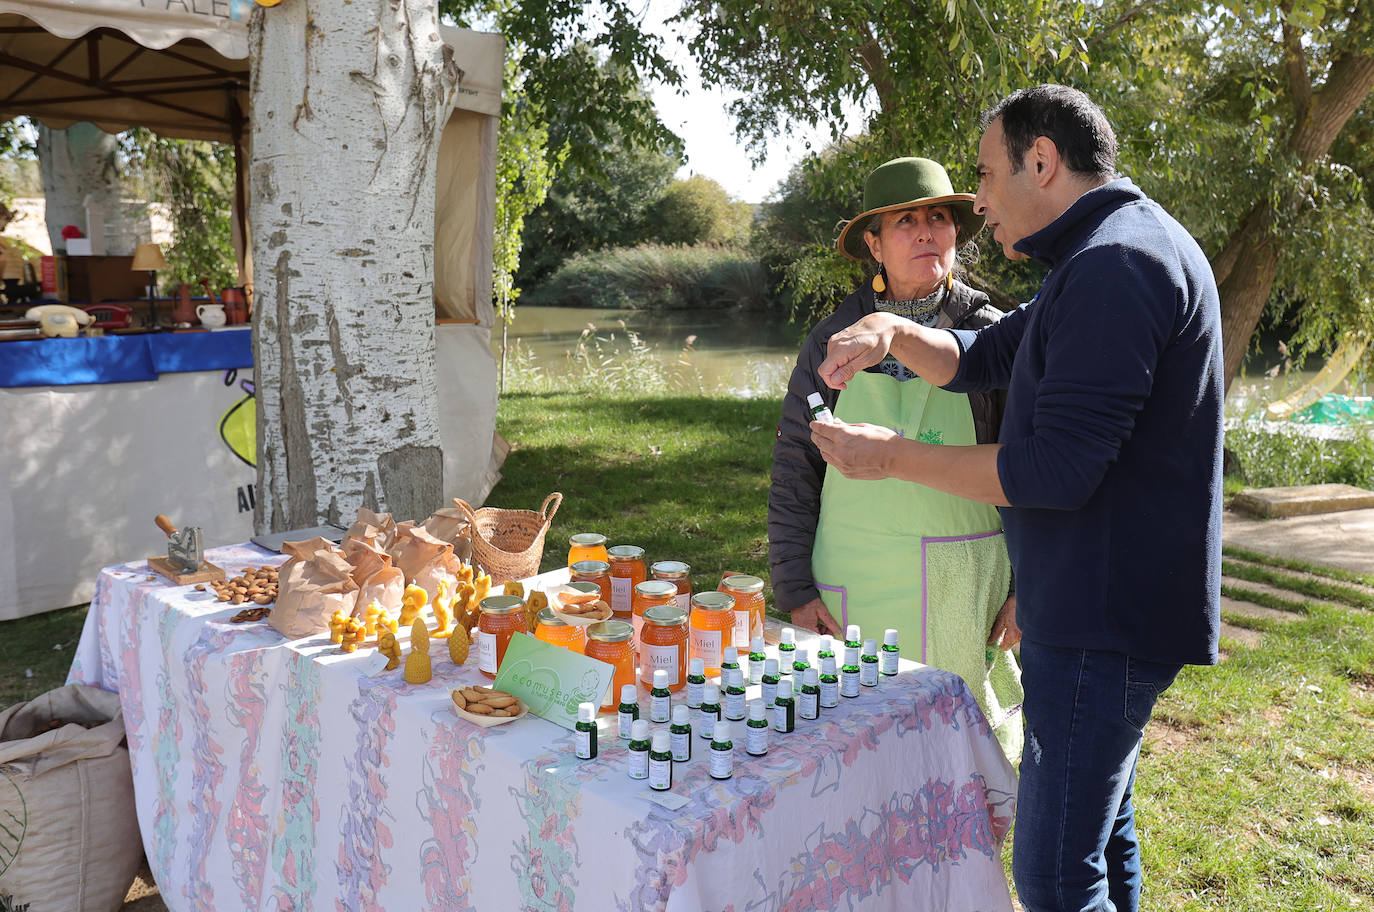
549, 619
501, 604
656, 589
590, 568
743, 583
586, 586
611, 631
713, 601
626, 552
670, 569
588, 539
665, 616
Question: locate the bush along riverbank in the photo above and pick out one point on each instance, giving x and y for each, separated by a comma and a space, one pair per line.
658, 276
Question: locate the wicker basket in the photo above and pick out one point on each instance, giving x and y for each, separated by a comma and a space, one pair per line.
509, 544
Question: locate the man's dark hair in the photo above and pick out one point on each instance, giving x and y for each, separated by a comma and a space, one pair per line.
1067, 117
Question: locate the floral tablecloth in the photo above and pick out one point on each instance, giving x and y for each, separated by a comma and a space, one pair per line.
282, 775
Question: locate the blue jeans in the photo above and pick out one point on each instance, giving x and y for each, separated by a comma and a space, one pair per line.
1075, 847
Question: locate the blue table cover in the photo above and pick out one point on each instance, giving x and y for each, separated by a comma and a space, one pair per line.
121, 359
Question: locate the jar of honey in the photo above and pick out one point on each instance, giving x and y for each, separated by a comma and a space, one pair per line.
747, 592
553, 629
710, 627
612, 642
593, 571
663, 645
679, 574
627, 571
587, 546
502, 616
648, 594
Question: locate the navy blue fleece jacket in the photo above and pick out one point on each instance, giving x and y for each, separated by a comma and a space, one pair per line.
1111, 456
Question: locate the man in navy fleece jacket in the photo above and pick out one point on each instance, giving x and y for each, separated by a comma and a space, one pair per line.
1108, 471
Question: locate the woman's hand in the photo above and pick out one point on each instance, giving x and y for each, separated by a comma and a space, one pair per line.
1005, 634
862, 344
815, 616
856, 450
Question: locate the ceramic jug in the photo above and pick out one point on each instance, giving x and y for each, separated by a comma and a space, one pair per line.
184, 311
211, 315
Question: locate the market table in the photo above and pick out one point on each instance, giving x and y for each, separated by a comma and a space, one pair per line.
275, 774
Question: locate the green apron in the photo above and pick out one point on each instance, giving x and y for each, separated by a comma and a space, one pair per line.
891, 553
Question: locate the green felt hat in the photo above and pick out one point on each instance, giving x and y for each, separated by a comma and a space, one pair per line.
906, 183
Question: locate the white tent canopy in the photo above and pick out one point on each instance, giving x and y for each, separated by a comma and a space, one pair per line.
180, 68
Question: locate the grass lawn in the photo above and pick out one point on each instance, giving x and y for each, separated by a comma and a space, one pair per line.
1256, 782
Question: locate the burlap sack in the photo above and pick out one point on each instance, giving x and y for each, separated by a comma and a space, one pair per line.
311, 590
71, 837
377, 580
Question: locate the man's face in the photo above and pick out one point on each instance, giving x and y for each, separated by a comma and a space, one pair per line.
1007, 199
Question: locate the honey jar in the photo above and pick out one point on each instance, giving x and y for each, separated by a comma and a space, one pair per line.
663, 645
627, 571
747, 592
679, 574
587, 546
710, 628
612, 642
502, 616
593, 571
648, 594
554, 630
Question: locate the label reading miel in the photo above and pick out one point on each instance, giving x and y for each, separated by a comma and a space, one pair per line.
486, 651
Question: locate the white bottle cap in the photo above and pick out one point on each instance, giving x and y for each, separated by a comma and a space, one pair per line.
814, 400
828, 665
756, 644
784, 688
851, 655
660, 743
789, 635
712, 694
851, 633
696, 667
681, 715
811, 678
736, 678
870, 647
586, 712
628, 693
639, 730
660, 679
770, 666
827, 644
730, 656
801, 656
757, 711
720, 731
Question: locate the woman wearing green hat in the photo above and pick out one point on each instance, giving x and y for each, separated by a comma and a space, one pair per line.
890, 554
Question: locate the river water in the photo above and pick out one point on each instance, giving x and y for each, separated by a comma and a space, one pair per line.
753, 355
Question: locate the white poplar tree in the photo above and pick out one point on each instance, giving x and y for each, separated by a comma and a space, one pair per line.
77, 162
348, 102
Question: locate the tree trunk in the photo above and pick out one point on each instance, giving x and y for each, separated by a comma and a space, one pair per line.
348, 100
1249, 262
75, 163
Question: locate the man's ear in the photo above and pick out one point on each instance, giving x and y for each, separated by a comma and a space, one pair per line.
1042, 158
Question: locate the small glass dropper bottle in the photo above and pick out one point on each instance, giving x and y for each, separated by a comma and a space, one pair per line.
849, 672
800, 663
660, 762
852, 636
787, 650
722, 752
586, 731
708, 713
770, 681
830, 683
681, 732
809, 706
868, 664
729, 658
757, 657
890, 652
696, 680
734, 696
637, 759
628, 710
784, 708
827, 648
660, 699
756, 729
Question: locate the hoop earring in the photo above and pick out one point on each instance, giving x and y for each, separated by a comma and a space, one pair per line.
879, 285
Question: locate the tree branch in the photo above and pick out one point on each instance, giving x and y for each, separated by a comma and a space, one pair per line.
1295, 61
1125, 18
874, 63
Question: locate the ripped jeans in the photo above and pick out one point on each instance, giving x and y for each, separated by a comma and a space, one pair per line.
1075, 847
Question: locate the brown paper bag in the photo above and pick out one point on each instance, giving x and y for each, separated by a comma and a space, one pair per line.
377, 580
450, 525
310, 591
414, 548
376, 528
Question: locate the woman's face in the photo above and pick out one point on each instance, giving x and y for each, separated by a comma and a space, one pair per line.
917, 248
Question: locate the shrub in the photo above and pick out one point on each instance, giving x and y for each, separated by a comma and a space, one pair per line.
1283, 456
651, 276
